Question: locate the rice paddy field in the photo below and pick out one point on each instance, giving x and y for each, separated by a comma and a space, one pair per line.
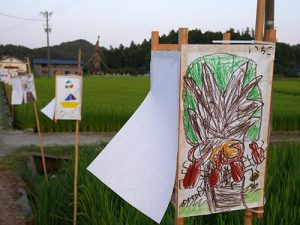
107, 104
52, 202
109, 101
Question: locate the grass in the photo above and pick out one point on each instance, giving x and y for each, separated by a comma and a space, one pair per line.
108, 102
286, 107
52, 203
3, 117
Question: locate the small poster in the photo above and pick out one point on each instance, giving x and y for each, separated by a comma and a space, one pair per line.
28, 88
224, 127
4, 76
17, 93
68, 97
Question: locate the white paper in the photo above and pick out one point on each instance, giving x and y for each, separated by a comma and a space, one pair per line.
68, 97
139, 164
49, 109
17, 94
4, 75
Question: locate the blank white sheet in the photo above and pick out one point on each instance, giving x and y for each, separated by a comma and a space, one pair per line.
139, 163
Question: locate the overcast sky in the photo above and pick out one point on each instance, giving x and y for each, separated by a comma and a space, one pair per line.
120, 21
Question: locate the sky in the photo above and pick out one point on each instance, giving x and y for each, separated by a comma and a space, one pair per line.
122, 21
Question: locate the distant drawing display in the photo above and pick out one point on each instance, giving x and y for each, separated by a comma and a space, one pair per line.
68, 97
23, 89
224, 124
28, 88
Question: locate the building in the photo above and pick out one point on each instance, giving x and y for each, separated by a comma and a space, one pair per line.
13, 63
57, 66
296, 71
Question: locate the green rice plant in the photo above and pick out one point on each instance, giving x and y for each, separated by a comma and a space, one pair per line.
107, 104
97, 204
287, 86
109, 101
286, 112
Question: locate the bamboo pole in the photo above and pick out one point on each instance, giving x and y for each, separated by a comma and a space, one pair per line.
39, 131
259, 27
41, 140
270, 36
76, 172
76, 151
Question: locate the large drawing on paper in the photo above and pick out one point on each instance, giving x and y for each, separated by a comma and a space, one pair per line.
68, 97
225, 103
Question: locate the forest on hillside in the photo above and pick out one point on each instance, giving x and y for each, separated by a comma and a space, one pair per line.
135, 59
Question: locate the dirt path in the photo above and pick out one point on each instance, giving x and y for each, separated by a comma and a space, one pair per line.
12, 211
14, 208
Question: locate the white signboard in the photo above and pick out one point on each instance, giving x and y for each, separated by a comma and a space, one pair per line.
68, 97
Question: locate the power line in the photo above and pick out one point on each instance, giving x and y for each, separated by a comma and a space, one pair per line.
19, 18
67, 5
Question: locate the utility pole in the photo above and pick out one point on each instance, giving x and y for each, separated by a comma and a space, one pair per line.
47, 14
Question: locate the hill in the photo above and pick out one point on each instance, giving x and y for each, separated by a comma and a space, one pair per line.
135, 59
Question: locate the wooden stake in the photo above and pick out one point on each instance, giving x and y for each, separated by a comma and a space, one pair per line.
39, 130
154, 41
227, 36
182, 39
76, 172
76, 150
270, 36
260, 15
247, 217
41, 140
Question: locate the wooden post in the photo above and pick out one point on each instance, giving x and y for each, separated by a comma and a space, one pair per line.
154, 41
269, 16
247, 217
76, 172
182, 39
39, 130
227, 36
76, 150
155, 46
41, 140
270, 36
260, 15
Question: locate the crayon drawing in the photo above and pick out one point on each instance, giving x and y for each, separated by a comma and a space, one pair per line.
223, 140
68, 97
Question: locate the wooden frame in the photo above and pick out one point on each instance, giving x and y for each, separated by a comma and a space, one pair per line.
270, 36
156, 46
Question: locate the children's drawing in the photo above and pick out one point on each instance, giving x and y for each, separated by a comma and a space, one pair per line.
225, 110
17, 92
68, 97
23, 89
28, 88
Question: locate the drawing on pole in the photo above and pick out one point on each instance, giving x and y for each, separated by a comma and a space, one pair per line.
224, 123
68, 97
